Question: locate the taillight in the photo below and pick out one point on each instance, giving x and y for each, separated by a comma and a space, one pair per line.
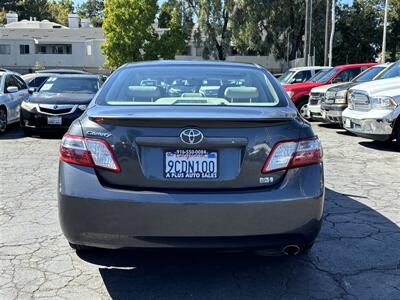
88, 152
293, 154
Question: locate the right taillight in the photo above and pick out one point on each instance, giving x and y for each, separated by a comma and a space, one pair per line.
95, 153
293, 154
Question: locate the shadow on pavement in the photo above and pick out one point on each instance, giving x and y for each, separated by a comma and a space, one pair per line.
356, 254
381, 146
14, 132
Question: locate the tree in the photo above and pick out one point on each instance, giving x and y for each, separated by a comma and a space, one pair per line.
92, 9
213, 17
393, 37
60, 10
358, 35
128, 30
34, 8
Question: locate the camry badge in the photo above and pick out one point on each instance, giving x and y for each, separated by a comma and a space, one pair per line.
191, 136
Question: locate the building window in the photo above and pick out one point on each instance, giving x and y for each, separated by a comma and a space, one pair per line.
5, 49
43, 50
24, 49
89, 50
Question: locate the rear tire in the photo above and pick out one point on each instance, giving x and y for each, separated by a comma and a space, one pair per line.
397, 134
78, 247
302, 108
3, 119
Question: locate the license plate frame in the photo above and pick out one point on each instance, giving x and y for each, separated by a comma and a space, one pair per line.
188, 156
54, 120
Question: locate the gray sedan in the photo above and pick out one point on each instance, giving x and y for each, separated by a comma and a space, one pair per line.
191, 155
13, 90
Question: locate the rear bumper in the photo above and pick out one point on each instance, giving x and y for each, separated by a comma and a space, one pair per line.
376, 125
93, 215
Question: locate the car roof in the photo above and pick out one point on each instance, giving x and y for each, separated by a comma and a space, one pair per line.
75, 76
349, 66
191, 63
63, 71
309, 68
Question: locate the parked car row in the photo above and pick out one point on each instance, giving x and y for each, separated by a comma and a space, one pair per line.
45, 101
367, 105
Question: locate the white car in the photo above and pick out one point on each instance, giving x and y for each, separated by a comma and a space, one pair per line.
13, 90
374, 109
300, 74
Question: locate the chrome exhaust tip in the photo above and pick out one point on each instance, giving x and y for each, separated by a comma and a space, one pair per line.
291, 250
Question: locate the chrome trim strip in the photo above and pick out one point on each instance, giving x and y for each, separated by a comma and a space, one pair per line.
72, 108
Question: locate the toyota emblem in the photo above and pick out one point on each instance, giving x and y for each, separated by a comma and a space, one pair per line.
191, 136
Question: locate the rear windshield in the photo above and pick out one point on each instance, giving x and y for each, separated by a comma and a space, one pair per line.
318, 75
325, 76
189, 85
368, 74
390, 72
285, 77
71, 85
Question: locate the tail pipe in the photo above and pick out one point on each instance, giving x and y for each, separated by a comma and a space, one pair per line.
291, 250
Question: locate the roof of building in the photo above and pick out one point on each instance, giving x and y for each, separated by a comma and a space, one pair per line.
61, 35
32, 24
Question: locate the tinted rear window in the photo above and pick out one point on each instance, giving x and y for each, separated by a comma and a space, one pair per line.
71, 85
190, 85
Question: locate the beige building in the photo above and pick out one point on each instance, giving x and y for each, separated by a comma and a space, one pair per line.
30, 43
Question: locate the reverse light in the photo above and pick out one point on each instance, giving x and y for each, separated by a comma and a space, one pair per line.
293, 154
89, 152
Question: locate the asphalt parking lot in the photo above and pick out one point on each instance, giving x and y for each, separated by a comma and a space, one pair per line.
357, 255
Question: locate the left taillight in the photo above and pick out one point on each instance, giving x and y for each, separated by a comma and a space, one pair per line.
293, 154
88, 152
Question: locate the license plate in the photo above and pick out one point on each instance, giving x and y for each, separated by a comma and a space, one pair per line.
347, 123
191, 164
54, 120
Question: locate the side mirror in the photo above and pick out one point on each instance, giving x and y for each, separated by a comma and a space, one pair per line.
32, 90
12, 89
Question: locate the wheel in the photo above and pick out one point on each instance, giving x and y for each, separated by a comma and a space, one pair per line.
78, 247
3, 119
302, 107
397, 134
26, 131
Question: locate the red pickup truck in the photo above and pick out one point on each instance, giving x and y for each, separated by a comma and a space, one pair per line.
299, 92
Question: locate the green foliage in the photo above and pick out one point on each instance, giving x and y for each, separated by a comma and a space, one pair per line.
93, 10
127, 29
213, 17
35, 8
60, 9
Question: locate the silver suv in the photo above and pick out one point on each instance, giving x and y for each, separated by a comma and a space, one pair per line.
13, 90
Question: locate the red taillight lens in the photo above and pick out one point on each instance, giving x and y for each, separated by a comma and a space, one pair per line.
82, 151
293, 154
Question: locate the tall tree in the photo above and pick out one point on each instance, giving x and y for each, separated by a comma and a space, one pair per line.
92, 9
213, 17
358, 34
35, 8
60, 10
393, 38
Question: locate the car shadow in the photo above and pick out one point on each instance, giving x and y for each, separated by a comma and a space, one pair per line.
381, 146
15, 132
355, 240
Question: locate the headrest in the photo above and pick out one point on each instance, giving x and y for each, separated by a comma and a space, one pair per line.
144, 91
241, 92
191, 95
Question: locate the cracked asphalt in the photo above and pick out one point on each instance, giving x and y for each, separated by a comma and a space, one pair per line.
356, 256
